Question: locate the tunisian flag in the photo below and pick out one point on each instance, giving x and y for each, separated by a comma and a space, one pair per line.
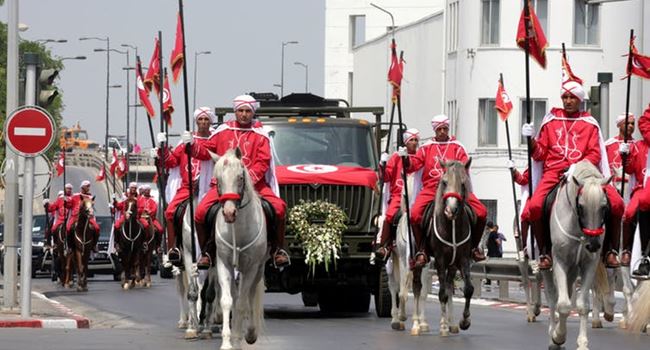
142, 90
395, 73
102, 174
60, 164
177, 60
503, 103
640, 64
536, 39
567, 73
152, 79
114, 162
121, 168
168, 106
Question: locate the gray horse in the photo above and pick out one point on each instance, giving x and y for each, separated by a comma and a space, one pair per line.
576, 224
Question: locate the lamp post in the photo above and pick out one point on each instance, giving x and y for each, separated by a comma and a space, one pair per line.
45, 41
72, 58
135, 104
196, 55
284, 43
306, 74
108, 77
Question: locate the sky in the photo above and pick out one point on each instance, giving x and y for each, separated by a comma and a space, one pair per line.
244, 37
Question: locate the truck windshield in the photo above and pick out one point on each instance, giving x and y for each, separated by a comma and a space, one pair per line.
82, 135
345, 145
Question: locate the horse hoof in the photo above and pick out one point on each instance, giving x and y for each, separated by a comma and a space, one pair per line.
532, 319
622, 324
206, 334
415, 331
557, 341
465, 323
190, 334
424, 327
596, 324
251, 337
444, 333
398, 326
608, 317
126, 286
402, 318
182, 324
80, 289
453, 329
555, 347
148, 285
538, 310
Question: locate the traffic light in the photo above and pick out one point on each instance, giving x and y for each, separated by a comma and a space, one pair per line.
46, 92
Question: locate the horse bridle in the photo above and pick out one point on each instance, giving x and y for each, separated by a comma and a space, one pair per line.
578, 210
238, 197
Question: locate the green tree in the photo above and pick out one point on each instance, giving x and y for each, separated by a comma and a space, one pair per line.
47, 61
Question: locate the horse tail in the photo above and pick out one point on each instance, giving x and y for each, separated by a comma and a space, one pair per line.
258, 307
640, 312
601, 285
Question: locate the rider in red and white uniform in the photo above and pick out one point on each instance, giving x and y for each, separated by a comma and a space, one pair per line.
75, 205
146, 204
392, 192
428, 157
132, 192
59, 209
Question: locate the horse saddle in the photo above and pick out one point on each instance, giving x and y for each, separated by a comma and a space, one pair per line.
269, 213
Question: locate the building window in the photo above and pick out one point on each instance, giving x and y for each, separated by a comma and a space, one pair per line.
491, 206
452, 27
537, 113
487, 122
541, 10
350, 87
357, 30
490, 22
452, 113
585, 21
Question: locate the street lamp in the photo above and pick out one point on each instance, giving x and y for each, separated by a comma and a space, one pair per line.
196, 55
135, 103
72, 58
108, 75
45, 41
306, 74
284, 43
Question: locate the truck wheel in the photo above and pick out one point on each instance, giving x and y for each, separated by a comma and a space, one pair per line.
383, 302
309, 298
357, 301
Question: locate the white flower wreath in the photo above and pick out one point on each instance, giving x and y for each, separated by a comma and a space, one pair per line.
320, 242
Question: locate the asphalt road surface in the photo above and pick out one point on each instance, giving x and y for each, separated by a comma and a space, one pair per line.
146, 319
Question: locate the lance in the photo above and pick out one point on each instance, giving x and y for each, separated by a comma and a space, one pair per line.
529, 144
627, 110
405, 163
187, 128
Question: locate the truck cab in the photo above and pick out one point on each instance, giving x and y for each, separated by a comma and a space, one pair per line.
326, 150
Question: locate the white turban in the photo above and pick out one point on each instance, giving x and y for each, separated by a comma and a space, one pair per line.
68, 185
439, 120
133, 185
60, 194
621, 118
146, 187
574, 88
85, 183
410, 134
204, 111
245, 100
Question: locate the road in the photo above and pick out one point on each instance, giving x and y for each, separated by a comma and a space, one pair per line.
75, 175
146, 319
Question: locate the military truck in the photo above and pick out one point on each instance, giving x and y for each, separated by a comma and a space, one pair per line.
323, 151
76, 138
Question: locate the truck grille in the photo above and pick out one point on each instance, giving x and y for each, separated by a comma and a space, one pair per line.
350, 199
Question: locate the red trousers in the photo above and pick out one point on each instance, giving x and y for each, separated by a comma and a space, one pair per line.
428, 195
393, 207
182, 195
156, 224
212, 197
633, 205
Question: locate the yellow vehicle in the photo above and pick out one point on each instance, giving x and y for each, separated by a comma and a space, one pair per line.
76, 138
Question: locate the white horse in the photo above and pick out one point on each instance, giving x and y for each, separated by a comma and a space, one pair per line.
240, 234
400, 279
576, 224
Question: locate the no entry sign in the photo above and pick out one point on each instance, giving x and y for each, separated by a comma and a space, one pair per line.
29, 131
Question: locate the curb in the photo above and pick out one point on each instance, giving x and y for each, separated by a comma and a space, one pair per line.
73, 322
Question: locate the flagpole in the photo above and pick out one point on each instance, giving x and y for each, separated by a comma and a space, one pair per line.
627, 110
529, 145
187, 128
400, 141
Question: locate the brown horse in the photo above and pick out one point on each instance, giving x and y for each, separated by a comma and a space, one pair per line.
63, 256
131, 236
84, 238
150, 244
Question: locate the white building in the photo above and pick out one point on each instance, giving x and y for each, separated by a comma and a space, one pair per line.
453, 60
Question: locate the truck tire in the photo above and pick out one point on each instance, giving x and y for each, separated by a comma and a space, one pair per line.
383, 301
309, 299
344, 300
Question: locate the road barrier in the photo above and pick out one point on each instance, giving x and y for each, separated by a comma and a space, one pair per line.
503, 270
95, 160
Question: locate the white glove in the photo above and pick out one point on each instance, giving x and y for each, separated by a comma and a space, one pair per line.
114, 197
384, 158
154, 152
187, 137
402, 152
161, 137
110, 206
624, 148
510, 164
46, 201
528, 129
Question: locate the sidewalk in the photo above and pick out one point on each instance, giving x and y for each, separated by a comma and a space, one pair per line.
46, 313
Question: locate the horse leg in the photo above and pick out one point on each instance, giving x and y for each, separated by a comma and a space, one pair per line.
181, 287
563, 303
582, 302
416, 281
468, 291
443, 297
596, 322
249, 297
550, 290
628, 290
394, 283
257, 305
426, 289
226, 302
453, 327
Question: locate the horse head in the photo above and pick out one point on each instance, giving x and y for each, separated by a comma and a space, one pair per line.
591, 208
453, 187
131, 208
232, 181
87, 206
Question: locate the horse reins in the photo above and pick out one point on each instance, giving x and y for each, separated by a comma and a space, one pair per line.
128, 238
453, 244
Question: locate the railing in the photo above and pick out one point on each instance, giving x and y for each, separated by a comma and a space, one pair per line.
503, 270
89, 159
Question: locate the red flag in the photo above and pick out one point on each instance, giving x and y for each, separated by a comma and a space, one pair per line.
640, 63
155, 178
536, 39
168, 106
152, 79
60, 164
567, 73
102, 174
121, 168
177, 59
395, 73
114, 163
142, 90
503, 103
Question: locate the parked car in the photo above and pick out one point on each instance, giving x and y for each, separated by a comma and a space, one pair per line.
38, 251
103, 262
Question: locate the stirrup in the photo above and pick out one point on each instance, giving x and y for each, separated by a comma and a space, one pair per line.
416, 262
382, 253
174, 256
278, 254
204, 262
643, 270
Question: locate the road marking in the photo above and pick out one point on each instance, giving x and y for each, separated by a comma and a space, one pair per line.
29, 131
